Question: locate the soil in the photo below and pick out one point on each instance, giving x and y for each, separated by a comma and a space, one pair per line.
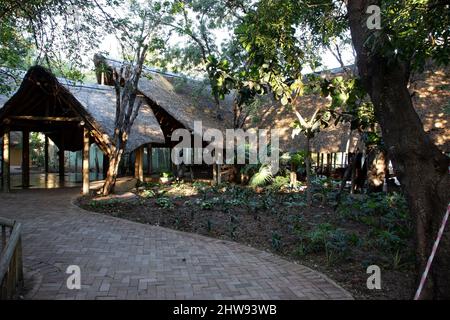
270, 227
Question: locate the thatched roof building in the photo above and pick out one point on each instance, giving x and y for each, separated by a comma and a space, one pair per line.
431, 97
177, 101
59, 107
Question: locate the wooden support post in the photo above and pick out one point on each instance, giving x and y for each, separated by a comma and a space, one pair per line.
46, 157
214, 167
61, 160
19, 262
86, 146
321, 163
149, 159
25, 158
138, 164
334, 160
219, 174
318, 161
6, 177
329, 156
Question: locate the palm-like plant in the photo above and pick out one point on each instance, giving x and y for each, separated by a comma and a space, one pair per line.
309, 128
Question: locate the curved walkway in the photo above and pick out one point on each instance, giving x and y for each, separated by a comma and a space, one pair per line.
120, 259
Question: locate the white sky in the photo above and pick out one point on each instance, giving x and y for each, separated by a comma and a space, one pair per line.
111, 46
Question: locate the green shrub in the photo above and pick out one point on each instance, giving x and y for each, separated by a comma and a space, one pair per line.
148, 193
327, 238
279, 182
164, 202
276, 241
206, 205
262, 177
386, 215
166, 174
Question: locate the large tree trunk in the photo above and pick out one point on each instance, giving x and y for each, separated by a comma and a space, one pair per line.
113, 169
419, 165
376, 172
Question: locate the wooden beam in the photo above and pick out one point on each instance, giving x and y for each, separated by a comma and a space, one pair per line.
6, 176
61, 160
219, 173
25, 158
138, 164
51, 119
149, 159
46, 157
86, 146
217, 176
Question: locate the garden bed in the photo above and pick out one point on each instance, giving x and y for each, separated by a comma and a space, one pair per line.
362, 231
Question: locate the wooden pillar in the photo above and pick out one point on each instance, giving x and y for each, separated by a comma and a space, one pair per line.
86, 146
6, 177
61, 160
321, 163
149, 159
46, 154
329, 157
219, 174
214, 167
25, 158
318, 161
139, 164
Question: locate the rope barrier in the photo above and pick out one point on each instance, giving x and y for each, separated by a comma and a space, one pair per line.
433, 252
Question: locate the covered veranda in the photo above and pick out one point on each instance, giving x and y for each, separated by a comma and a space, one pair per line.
73, 117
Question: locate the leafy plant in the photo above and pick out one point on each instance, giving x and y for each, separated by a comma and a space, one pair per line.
276, 241
206, 205
262, 177
166, 174
164, 202
148, 193
279, 182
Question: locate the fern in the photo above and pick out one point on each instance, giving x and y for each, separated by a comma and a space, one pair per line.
262, 177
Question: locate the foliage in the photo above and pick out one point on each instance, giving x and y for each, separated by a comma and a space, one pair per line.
37, 152
58, 34
166, 174
276, 241
386, 215
262, 176
148, 193
164, 202
279, 182
325, 237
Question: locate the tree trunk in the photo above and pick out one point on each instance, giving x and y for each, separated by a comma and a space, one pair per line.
113, 169
420, 166
308, 172
376, 172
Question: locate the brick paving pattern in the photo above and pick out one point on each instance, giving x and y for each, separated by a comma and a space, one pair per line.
120, 259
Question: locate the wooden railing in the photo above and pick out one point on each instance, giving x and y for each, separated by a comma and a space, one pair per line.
11, 267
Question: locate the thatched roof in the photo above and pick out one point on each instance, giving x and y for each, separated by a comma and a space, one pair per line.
93, 103
274, 115
100, 101
187, 100
432, 95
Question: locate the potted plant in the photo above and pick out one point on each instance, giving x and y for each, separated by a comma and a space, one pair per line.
166, 177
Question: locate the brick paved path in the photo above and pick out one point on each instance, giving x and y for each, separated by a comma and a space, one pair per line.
120, 259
